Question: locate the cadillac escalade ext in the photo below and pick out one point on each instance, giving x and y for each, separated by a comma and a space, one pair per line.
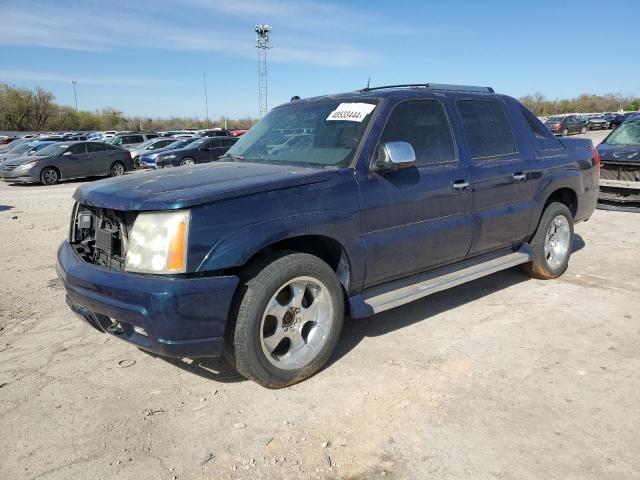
346, 204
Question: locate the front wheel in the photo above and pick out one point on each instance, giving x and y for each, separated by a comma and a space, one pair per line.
49, 176
289, 317
552, 243
565, 132
117, 169
583, 130
187, 161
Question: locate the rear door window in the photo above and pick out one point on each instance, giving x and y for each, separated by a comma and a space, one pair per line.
423, 124
487, 128
96, 147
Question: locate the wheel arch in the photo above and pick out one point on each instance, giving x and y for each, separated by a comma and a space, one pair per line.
565, 195
326, 248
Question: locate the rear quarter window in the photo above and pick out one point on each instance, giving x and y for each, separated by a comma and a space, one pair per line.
487, 129
543, 139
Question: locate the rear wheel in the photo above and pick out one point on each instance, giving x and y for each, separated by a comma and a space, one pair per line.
117, 169
583, 130
289, 317
552, 243
187, 161
49, 176
565, 132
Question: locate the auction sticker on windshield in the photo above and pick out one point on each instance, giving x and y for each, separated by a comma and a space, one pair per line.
351, 112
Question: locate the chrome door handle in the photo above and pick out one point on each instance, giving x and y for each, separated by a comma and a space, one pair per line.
460, 185
519, 177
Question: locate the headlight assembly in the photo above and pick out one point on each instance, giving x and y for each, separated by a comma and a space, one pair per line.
26, 166
158, 242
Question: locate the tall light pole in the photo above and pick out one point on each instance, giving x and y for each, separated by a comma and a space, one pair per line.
263, 34
75, 95
206, 101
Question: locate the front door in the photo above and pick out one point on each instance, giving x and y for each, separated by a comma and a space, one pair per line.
76, 161
419, 217
500, 175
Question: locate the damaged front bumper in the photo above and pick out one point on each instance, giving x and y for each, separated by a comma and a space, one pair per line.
619, 187
170, 316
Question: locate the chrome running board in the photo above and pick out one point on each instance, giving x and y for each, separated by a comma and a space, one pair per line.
405, 290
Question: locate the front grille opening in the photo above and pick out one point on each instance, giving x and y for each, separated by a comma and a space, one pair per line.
627, 173
100, 235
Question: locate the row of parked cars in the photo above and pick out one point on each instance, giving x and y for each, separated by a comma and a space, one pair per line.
568, 124
49, 159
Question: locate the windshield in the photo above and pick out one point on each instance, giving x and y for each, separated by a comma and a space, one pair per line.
325, 133
146, 144
15, 144
20, 149
626, 134
191, 143
53, 149
178, 144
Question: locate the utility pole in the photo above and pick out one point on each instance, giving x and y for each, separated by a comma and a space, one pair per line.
263, 34
206, 101
75, 95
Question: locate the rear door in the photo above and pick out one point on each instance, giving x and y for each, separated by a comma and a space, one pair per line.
416, 218
500, 172
101, 158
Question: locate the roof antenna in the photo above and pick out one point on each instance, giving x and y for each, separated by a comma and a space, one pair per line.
368, 82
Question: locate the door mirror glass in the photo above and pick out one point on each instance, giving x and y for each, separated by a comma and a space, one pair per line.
68, 153
395, 155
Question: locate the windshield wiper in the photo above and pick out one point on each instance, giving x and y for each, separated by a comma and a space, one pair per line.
232, 157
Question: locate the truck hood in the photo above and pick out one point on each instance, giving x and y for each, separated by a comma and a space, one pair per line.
619, 153
184, 187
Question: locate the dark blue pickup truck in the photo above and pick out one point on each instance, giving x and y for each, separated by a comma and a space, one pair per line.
341, 204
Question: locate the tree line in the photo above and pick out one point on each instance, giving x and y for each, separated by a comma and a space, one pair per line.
585, 103
23, 110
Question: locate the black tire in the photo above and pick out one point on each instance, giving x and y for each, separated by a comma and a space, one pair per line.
243, 344
187, 161
539, 267
49, 176
117, 169
565, 132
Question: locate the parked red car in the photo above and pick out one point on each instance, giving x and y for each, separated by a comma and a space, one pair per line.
237, 133
6, 140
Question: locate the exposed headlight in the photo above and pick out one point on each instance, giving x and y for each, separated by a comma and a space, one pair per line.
154, 156
158, 242
169, 157
26, 166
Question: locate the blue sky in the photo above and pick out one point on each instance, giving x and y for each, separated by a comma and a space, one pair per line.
147, 57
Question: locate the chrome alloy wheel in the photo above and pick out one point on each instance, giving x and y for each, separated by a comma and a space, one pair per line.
556, 242
117, 170
296, 322
50, 176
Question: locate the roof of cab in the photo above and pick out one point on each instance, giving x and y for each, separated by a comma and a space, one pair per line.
401, 90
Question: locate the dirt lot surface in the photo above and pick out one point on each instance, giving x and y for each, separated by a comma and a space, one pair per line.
505, 377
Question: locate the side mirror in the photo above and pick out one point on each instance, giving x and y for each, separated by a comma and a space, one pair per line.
395, 155
67, 153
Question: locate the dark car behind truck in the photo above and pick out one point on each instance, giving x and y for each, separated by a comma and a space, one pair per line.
566, 125
402, 192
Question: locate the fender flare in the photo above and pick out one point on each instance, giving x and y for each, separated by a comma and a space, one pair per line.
236, 248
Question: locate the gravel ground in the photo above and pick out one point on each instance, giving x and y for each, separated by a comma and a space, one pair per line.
505, 377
